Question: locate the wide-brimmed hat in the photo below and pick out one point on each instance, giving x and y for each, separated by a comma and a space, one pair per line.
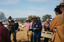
2, 16
61, 4
27, 20
34, 17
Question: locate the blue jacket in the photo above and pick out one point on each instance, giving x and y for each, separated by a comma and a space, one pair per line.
37, 25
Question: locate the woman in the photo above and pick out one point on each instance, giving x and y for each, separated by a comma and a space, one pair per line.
57, 11
46, 25
27, 27
57, 23
46, 28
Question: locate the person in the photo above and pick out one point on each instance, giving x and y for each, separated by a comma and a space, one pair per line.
16, 25
11, 28
46, 25
57, 11
27, 27
46, 28
37, 27
58, 23
4, 33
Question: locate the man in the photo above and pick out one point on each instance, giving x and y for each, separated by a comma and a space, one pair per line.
58, 24
4, 33
11, 28
37, 27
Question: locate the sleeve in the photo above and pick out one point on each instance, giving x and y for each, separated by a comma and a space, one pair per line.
53, 23
44, 25
18, 24
40, 26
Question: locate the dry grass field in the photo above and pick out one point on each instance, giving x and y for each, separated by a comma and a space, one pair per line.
21, 35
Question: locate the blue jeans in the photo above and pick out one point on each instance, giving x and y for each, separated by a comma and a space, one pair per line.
37, 36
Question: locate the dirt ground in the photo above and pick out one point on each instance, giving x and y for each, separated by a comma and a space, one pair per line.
21, 36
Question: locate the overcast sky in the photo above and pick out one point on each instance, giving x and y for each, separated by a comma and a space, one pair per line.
24, 8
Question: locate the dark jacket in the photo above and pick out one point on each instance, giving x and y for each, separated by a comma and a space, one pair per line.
16, 26
37, 25
10, 24
4, 34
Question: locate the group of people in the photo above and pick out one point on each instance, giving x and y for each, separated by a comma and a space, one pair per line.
12, 27
56, 26
35, 26
5, 33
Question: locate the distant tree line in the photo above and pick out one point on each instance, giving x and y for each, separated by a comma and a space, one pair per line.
44, 18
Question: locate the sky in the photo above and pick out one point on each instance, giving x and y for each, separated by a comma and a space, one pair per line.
24, 8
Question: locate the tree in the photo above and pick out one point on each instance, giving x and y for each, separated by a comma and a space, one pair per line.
45, 17
30, 17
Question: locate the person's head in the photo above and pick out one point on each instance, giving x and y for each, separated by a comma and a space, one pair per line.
61, 6
47, 21
10, 18
57, 11
15, 20
2, 17
27, 20
34, 18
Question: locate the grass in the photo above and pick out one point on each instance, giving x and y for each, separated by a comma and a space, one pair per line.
21, 35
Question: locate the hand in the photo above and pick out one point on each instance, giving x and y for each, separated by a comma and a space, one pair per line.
53, 31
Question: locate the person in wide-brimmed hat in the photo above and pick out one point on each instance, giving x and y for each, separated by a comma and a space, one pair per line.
37, 27
27, 27
27, 20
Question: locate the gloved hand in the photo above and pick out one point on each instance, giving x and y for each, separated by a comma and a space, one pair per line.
34, 28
